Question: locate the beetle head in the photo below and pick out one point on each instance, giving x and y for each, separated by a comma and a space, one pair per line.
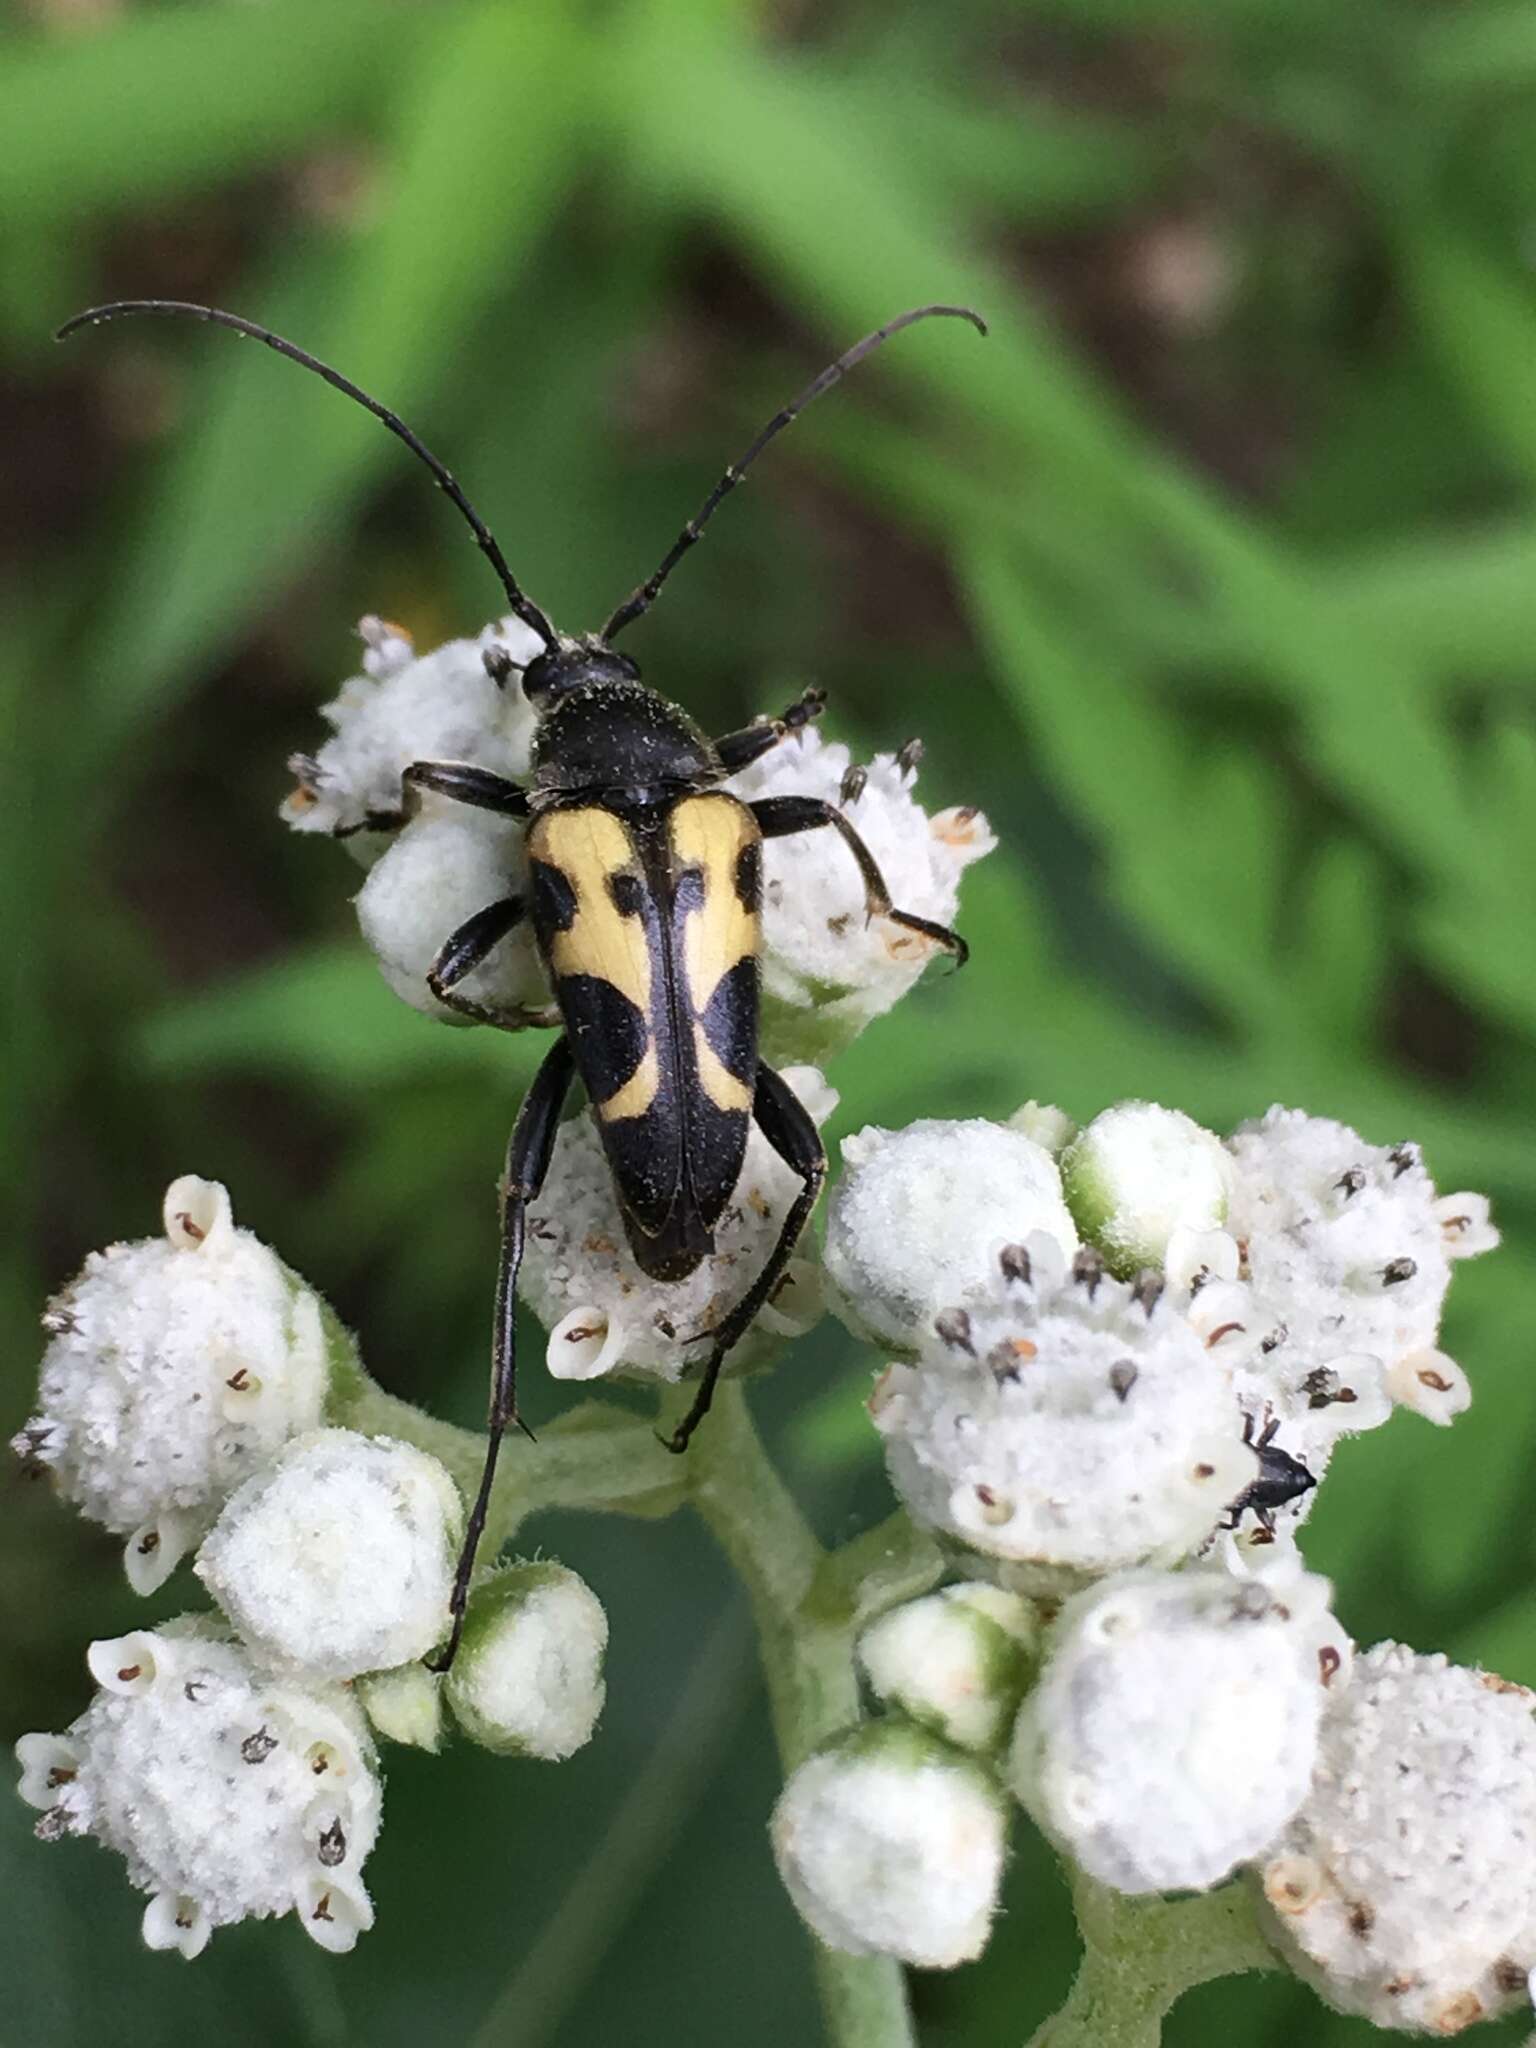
574, 665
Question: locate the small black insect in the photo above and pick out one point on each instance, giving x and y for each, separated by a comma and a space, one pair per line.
1280, 1479
645, 900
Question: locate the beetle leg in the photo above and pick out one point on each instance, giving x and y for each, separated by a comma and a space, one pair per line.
466, 785
528, 1156
786, 1123
739, 749
780, 816
465, 949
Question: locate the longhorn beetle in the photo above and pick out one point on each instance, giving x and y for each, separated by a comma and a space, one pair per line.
645, 894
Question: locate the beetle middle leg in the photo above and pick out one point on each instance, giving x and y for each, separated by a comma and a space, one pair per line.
465, 949
787, 1125
528, 1156
780, 816
739, 749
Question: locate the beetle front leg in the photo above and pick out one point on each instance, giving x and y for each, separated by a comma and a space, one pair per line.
739, 749
786, 1123
778, 817
478, 787
528, 1156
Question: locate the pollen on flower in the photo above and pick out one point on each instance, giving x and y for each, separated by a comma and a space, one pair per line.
1404, 1887
890, 1842
176, 1366
920, 1217
1174, 1729
828, 968
1072, 1424
605, 1317
441, 706
338, 1559
197, 1774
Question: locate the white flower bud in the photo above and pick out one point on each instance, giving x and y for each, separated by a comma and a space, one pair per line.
1072, 1424
177, 1365
828, 968
230, 1795
919, 1216
890, 1842
606, 1317
1051, 1128
955, 1661
442, 706
528, 1678
447, 863
1347, 1252
1137, 1174
1173, 1731
405, 1705
339, 1558
1405, 1888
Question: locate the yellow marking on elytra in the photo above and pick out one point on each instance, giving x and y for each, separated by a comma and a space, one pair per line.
724, 1089
637, 1093
589, 847
710, 833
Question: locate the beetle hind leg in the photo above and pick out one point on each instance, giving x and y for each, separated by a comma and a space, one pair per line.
528, 1156
786, 1123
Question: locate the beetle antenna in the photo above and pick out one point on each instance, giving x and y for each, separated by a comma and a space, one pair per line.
643, 597
521, 604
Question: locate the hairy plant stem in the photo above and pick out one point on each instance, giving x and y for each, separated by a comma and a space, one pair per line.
806, 1647
1140, 1955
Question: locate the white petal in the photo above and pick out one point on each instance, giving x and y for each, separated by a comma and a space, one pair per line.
197, 1214
333, 1910
1466, 1225
128, 1664
179, 1923
154, 1550
47, 1762
1431, 1384
584, 1345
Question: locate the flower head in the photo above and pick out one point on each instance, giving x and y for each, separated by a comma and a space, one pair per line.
528, 1678
177, 1365
890, 1842
1405, 1886
828, 968
338, 1558
918, 1219
406, 707
1070, 1424
955, 1661
1137, 1174
1173, 1731
230, 1795
605, 1317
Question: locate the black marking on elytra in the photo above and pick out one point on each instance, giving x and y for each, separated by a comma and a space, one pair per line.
749, 875
554, 897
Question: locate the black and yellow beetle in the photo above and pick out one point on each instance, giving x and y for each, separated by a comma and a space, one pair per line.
646, 883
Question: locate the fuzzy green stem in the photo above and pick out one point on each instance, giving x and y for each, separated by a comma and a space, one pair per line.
1140, 1955
808, 1664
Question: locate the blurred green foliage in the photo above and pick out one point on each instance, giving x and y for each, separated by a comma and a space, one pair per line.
1212, 576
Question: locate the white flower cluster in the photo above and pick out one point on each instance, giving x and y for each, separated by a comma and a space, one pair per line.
175, 1367
1404, 1886
828, 968
1056, 1418
605, 1318
229, 1761
1110, 1345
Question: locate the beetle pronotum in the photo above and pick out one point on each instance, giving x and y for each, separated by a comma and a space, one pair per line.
646, 881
